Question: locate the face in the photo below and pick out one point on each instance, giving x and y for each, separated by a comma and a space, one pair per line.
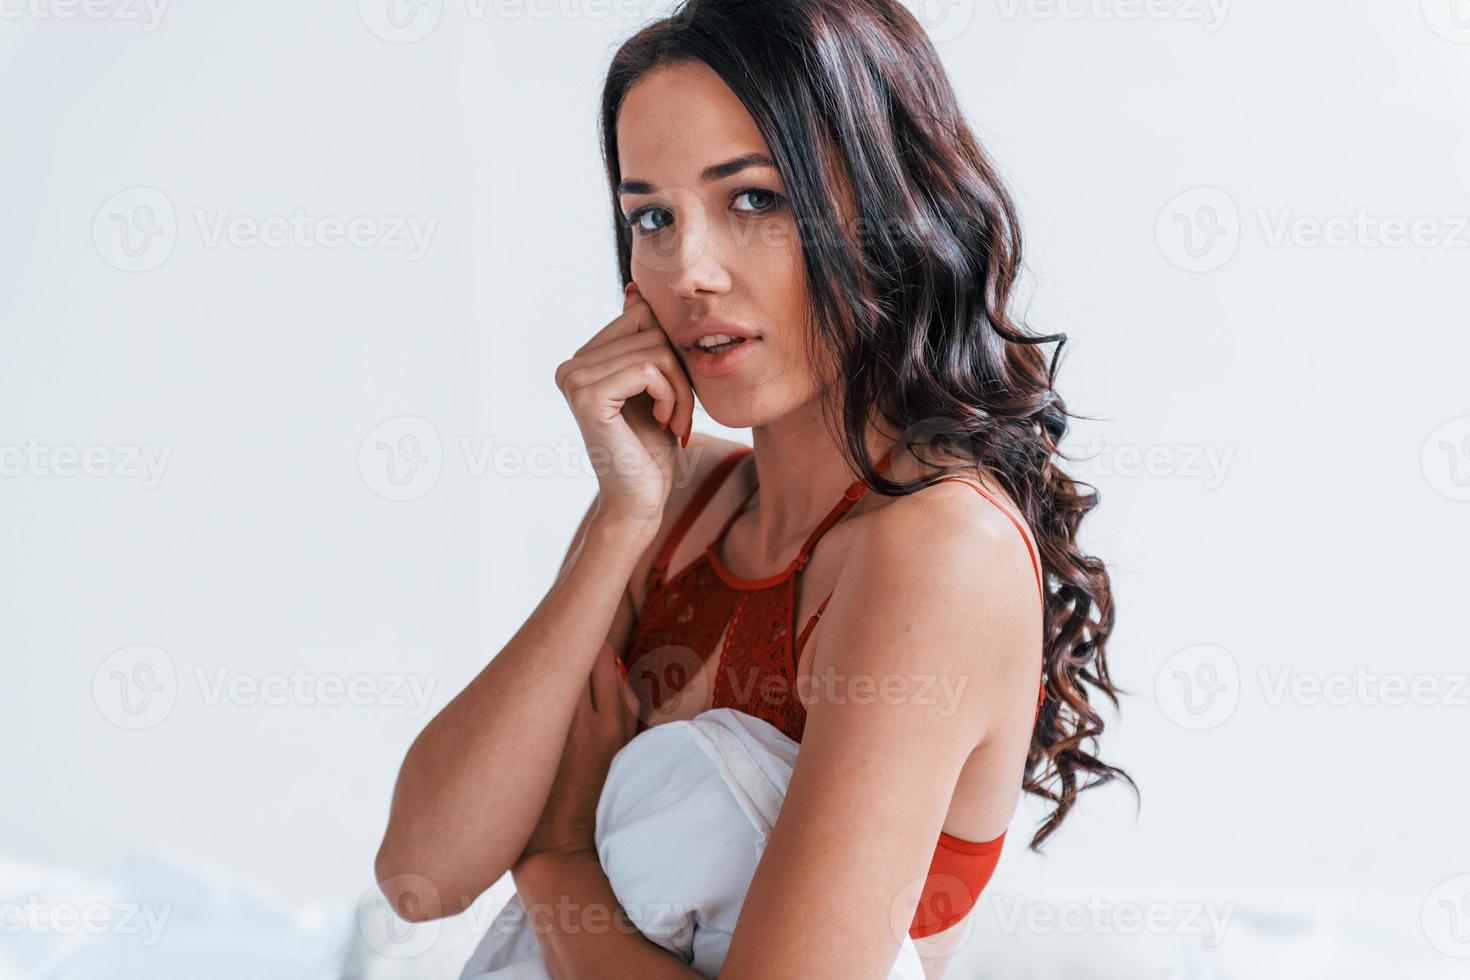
714, 242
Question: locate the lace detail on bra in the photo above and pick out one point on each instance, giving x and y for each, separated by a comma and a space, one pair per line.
686, 617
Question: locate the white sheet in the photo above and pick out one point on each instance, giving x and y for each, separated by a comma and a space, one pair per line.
681, 824
153, 917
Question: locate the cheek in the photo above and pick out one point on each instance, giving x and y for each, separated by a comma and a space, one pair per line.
773, 264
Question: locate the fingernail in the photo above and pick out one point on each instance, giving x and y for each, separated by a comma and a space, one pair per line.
684, 441
621, 668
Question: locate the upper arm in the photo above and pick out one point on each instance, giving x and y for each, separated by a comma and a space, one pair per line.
932, 645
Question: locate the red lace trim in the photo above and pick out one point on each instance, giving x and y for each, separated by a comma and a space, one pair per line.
684, 618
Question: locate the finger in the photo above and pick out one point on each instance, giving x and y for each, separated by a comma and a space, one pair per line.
634, 374
641, 340
684, 397
682, 421
606, 680
617, 694
637, 315
567, 370
628, 717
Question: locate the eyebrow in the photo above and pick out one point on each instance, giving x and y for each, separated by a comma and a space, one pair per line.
718, 171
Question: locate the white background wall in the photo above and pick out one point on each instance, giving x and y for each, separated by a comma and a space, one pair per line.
1330, 534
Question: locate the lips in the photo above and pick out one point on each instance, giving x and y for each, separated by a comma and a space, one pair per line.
725, 360
708, 326
710, 346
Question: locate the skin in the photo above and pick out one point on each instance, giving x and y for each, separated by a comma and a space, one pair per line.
936, 586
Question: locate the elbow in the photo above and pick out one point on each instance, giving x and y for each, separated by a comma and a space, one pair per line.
413, 895
420, 887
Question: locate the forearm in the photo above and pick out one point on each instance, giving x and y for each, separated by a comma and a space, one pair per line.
583, 932
474, 782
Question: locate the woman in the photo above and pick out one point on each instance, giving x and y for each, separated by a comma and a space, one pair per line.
797, 191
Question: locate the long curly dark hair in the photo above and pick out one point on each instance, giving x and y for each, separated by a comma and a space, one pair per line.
909, 281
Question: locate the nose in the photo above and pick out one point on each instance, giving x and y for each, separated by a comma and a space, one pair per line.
699, 266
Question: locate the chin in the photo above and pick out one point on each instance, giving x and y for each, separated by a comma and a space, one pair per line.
750, 407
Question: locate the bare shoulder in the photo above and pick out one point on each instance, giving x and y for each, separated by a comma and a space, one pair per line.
973, 505
967, 532
941, 582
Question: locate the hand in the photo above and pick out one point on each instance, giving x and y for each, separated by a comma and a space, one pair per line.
633, 401
605, 721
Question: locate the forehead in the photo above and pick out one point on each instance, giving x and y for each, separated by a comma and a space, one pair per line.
678, 119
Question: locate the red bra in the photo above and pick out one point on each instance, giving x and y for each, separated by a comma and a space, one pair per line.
684, 616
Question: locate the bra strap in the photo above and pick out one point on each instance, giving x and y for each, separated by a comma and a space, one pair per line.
1035, 565
692, 510
849, 497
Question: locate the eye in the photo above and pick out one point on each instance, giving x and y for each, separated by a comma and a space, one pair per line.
761, 193
773, 202
635, 220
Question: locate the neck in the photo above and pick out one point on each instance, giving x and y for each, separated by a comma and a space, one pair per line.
801, 475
